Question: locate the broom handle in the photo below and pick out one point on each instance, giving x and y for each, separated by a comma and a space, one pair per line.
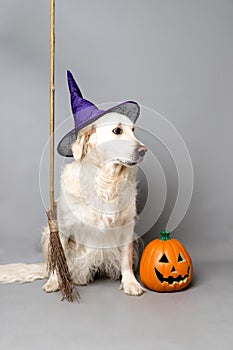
52, 93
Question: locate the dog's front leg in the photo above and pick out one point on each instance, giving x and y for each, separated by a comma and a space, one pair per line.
52, 285
128, 282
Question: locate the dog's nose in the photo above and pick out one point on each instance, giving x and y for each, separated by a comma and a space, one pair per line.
142, 150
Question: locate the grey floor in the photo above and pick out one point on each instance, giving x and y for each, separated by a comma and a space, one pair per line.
199, 317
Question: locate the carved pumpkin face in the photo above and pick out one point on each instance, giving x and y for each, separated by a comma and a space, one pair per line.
166, 266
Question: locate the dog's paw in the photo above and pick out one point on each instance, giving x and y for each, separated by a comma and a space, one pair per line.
132, 288
51, 285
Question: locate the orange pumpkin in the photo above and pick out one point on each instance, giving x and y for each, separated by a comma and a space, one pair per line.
166, 266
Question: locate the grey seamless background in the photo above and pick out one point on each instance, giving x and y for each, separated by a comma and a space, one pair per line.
172, 56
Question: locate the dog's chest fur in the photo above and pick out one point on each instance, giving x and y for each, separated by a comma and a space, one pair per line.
96, 203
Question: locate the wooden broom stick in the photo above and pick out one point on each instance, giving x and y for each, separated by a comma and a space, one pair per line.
56, 258
52, 93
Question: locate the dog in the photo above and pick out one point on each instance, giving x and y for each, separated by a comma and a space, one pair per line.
96, 208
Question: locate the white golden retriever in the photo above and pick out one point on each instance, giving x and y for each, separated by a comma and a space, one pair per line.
96, 208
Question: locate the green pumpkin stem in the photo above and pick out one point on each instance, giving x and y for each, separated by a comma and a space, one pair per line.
165, 235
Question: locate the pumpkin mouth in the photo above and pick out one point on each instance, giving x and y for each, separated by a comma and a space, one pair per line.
172, 280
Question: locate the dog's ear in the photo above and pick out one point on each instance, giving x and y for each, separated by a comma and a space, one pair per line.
84, 143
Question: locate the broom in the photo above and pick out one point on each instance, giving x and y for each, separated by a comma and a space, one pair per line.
57, 262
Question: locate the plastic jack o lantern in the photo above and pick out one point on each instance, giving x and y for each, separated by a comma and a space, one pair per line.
166, 266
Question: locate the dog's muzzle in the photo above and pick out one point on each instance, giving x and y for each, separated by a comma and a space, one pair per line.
136, 157
142, 151
139, 155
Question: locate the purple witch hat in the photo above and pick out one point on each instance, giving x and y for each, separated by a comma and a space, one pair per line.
85, 113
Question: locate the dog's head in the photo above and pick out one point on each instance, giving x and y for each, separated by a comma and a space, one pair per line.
111, 136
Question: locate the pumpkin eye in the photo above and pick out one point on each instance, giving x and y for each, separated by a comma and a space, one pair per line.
164, 259
117, 131
180, 258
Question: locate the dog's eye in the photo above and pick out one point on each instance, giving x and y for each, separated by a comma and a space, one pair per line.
117, 131
133, 128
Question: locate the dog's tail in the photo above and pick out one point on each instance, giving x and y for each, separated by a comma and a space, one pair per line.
11, 273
